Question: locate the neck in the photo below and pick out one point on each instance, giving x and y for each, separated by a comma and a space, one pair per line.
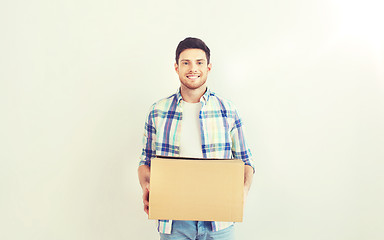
192, 95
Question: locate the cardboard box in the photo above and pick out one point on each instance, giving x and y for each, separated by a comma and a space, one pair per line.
196, 189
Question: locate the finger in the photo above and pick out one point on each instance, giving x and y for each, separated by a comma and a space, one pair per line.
145, 192
146, 209
145, 198
146, 195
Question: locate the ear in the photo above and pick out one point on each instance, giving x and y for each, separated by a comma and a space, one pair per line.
177, 68
209, 67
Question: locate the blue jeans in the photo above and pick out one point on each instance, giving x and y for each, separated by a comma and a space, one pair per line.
197, 230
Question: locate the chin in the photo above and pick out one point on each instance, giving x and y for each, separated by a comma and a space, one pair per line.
193, 86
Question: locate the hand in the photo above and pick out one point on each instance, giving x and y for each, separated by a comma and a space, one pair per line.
146, 198
246, 190
248, 176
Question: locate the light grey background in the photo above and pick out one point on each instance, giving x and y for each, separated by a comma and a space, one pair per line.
77, 79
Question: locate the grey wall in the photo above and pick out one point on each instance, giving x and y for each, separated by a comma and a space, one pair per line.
77, 79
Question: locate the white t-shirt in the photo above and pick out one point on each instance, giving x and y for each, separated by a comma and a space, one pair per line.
190, 136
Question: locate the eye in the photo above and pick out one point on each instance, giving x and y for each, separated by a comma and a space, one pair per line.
200, 63
185, 63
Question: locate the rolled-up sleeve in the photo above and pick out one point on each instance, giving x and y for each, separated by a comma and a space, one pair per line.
240, 148
149, 139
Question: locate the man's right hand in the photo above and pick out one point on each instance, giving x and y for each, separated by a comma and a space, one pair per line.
146, 198
144, 178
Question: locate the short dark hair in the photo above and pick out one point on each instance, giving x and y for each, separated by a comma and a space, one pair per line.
193, 43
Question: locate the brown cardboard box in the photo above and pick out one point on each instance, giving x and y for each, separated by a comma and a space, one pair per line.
196, 189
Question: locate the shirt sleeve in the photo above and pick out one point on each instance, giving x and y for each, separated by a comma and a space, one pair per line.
240, 148
149, 139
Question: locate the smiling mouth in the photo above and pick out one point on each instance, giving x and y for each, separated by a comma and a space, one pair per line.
193, 77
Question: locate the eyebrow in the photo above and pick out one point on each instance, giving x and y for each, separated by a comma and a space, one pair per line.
187, 60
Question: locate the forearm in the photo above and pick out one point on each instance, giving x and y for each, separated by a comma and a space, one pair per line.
144, 175
248, 177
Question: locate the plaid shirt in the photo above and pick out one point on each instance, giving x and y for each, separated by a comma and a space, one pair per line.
221, 134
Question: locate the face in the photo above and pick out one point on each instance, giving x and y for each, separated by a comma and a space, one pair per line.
193, 68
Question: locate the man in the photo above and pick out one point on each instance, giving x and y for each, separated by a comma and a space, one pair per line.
194, 122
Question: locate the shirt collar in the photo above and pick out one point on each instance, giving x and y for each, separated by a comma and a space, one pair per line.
203, 99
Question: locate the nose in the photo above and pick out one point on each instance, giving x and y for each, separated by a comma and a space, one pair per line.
193, 67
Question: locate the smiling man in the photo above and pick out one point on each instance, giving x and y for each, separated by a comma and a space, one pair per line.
193, 68
193, 122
